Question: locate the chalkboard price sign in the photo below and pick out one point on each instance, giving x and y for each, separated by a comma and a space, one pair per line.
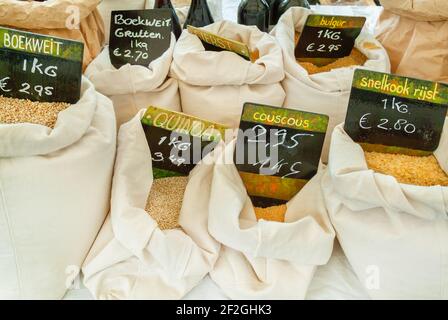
214, 42
278, 150
139, 37
178, 141
39, 67
326, 38
394, 114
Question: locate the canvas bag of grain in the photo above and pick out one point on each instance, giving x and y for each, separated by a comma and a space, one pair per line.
132, 257
71, 19
133, 87
415, 34
55, 192
394, 234
266, 259
324, 92
215, 85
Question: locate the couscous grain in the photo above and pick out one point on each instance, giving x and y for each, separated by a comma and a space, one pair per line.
275, 213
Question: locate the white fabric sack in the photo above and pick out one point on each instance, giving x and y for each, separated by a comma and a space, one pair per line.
132, 258
133, 87
215, 85
326, 92
394, 235
54, 196
265, 259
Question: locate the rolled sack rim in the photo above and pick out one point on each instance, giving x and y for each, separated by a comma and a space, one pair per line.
266, 70
254, 237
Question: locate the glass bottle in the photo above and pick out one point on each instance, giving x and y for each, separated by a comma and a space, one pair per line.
166, 4
271, 4
199, 14
281, 6
254, 13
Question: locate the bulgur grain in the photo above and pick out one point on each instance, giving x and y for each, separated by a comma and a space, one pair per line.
370, 46
275, 213
165, 201
420, 171
356, 58
14, 110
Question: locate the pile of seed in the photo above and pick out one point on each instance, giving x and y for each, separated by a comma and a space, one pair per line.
25, 111
420, 171
356, 58
275, 213
165, 201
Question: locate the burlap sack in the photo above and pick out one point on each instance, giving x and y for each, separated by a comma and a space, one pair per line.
264, 259
415, 34
132, 258
326, 92
58, 18
133, 87
54, 196
215, 85
394, 235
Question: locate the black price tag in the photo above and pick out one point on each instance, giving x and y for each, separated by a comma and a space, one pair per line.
278, 151
139, 37
393, 114
178, 141
40, 68
324, 39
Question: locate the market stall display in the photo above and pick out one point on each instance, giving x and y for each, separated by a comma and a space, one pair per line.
415, 34
131, 71
325, 92
215, 85
58, 18
249, 165
133, 258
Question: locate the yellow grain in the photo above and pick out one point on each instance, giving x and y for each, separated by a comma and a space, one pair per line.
420, 171
275, 213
